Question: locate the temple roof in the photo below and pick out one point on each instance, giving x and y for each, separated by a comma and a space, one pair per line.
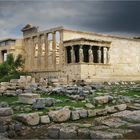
86, 39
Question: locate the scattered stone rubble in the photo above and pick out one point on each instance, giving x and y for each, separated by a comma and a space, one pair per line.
123, 111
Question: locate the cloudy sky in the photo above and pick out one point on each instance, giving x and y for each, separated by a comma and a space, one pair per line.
109, 17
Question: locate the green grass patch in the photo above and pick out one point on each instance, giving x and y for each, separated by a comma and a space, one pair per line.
131, 93
8, 99
60, 97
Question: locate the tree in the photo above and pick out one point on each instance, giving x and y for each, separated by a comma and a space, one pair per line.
11, 65
3, 70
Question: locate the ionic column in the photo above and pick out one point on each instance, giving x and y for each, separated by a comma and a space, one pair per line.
105, 55
39, 52
99, 54
81, 56
33, 52
61, 51
46, 51
72, 54
90, 54
54, 50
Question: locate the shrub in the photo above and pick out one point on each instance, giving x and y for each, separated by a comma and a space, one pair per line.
11, 68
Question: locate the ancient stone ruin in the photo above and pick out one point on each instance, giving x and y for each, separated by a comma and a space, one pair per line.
106, 110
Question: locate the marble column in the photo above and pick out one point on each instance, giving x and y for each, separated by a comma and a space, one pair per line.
99, 54
54, 50
61, 51
81, 56
46, 51
27, 55
33, 52
90, 51
39, 52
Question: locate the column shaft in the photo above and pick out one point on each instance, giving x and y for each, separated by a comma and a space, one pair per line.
46, 51
54, 50
39, 53
33, 52
61, 51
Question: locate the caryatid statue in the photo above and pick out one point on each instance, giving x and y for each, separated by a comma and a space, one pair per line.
81, 54
72, 54
90, 54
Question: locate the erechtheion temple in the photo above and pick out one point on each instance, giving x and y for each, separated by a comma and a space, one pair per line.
74, 55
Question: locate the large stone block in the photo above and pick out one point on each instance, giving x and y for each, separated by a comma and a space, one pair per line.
4, 83
83, 133
10, 93
7, 111
29, 79
75, 115
91, 113
30, 119
22, 79
28, 98
104, 135
103, 99
14, 81
61, 115
121, 107
53, 131
82, 113
68, 133
40, 103
45, 119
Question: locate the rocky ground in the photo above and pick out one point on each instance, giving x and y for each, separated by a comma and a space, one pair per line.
109, 110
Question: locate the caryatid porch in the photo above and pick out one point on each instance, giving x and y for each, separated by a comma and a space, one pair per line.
87, 51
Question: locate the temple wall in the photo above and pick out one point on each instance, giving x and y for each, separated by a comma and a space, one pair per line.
15, 49
124, 61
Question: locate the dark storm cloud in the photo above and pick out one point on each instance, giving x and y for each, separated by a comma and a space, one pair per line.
114, 17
